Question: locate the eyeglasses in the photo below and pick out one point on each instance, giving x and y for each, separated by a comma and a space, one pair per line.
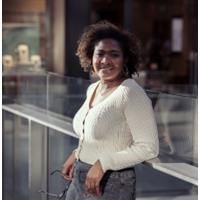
62, 194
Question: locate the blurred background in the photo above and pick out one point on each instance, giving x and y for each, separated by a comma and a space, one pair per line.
48, 30
43, 86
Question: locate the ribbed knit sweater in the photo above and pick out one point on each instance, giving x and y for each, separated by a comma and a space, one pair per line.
120, 131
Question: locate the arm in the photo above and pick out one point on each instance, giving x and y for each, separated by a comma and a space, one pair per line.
139, 116
68, 167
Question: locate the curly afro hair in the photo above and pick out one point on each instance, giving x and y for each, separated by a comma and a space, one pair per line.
106, 30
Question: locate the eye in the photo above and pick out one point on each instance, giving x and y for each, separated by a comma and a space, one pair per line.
99, 54
115, 55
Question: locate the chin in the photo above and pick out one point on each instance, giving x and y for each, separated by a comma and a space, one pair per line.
108, 78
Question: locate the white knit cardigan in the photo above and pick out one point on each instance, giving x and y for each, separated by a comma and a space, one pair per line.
120, 131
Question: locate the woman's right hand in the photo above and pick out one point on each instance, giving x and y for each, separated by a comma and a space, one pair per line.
68, 167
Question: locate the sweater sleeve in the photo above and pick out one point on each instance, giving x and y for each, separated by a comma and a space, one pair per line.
140, 118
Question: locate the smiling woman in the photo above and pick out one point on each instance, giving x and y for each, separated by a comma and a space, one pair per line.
108, 60
128, 43
115, 124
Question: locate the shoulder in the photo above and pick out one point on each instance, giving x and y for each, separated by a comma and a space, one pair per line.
132, 91
131, 86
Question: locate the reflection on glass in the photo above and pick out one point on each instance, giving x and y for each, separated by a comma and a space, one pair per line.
175, 119
65, 94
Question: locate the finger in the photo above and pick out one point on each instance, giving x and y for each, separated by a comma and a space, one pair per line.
94, 188
86, 185
65, 169
97, 188
98, 192
68, 178
89, 186
71, 172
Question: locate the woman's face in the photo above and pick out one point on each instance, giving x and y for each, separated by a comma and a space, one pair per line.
108, 60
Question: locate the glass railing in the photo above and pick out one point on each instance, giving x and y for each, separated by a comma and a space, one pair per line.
157, 81
25, 87
65, 95
51, 92
176, 117
36, 108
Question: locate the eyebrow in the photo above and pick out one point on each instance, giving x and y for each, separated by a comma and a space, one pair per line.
109, 51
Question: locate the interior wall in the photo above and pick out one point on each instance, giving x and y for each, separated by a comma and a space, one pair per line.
23, 6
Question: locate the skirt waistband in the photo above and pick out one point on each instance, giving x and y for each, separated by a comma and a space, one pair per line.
86, 166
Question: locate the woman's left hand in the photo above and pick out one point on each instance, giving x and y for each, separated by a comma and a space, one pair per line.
93, 178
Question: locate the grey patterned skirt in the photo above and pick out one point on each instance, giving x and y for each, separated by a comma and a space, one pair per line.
115, 185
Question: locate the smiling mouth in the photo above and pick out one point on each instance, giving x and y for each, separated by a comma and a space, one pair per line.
107, 69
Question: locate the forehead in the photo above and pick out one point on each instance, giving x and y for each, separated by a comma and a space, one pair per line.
107, 44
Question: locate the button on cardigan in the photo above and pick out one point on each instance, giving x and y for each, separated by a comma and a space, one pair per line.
120, 131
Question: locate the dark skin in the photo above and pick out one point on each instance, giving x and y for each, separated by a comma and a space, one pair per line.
94, 175
68, 167
108, 60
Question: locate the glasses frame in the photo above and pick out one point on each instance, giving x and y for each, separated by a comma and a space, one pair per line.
60, 195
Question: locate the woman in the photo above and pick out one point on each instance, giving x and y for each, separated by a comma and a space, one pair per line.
116, 123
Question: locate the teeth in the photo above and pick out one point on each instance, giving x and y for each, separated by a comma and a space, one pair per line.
109, 68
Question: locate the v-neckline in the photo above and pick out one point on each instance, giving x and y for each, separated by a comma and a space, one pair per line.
94, 93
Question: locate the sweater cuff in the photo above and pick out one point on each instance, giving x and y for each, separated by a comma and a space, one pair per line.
75, 151
105, 163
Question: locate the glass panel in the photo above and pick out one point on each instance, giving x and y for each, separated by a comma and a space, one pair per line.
176, 126
37, 160
15, 157
8, 155
157, 185
57, 94
25, 88
65, 94
32, 90
60, 147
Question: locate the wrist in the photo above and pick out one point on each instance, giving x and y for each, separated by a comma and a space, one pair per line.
98, 162
74, 153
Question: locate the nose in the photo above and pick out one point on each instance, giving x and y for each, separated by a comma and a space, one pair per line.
105, 59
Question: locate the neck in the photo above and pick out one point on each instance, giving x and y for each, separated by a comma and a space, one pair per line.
111, 83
